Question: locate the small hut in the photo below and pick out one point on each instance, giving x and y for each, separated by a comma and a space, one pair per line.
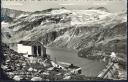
31, 48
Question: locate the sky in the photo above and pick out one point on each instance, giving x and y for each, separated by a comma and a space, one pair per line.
38, 5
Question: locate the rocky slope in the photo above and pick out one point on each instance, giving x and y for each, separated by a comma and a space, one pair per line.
91, 32
12, 13
8, 15
6, 19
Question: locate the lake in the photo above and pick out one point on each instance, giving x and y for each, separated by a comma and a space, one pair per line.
89, 67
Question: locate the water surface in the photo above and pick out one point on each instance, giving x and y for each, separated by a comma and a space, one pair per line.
89, 67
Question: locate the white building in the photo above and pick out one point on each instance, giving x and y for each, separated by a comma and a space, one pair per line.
31, 48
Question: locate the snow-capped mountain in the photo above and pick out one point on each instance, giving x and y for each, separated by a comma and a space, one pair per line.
87, 31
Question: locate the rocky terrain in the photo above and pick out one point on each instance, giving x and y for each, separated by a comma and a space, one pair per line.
94, 33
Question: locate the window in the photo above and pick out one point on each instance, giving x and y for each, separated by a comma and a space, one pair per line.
35, 50
39, 50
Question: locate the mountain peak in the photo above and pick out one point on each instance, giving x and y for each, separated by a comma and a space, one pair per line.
99, 8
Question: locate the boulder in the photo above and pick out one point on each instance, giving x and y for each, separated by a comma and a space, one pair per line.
30, 69
36, 79
17, 78
67, 77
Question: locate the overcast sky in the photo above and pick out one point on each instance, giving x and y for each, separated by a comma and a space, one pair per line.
29, 5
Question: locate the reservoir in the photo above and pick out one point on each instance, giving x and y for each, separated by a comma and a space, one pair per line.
89, 67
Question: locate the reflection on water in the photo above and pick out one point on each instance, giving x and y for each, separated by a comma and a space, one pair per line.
89, 67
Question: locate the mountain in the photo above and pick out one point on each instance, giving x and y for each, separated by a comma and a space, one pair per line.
91, 32
10, 14
99, 8
6, 18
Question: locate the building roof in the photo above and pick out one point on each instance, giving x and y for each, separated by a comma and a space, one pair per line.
30, 43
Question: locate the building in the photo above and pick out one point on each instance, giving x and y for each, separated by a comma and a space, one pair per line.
31, 48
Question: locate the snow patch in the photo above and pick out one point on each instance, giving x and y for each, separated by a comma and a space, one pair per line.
4, 24
60, 11
22, 15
